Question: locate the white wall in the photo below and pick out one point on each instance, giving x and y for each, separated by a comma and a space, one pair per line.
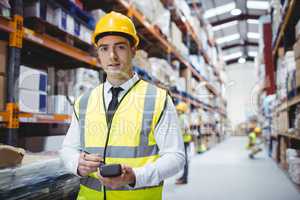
240, 91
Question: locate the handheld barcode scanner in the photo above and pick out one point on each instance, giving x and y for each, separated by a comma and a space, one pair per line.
111, 170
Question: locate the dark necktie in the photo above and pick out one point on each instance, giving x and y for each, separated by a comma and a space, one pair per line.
113, 103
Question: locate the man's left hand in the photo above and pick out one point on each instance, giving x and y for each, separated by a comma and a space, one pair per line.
127, 177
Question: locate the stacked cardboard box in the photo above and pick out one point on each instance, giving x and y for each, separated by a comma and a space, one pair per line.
281, 79
176, 40
282, 122
59, 17
199, 64
293, 160
3, 62
297, 53
183, 6
162, 70
192, 85
290, 65
32, 90
69, 84
59, 104
155, 13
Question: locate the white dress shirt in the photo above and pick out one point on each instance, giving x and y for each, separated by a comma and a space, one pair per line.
167, 136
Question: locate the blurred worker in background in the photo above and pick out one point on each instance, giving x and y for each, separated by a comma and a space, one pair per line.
253, 144
182, 108
124, 120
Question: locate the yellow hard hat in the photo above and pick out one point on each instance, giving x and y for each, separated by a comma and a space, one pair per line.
115, 22
183, 107
257, 130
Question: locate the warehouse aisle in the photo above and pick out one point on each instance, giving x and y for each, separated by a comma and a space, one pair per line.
225, 172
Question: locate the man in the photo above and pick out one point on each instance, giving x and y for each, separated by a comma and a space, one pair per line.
182, 108
252, 143
123, 121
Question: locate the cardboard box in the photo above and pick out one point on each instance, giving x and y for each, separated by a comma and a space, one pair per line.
32, 101
2, 92
58, 104
70, 25
61, 18
32, 79
3, 57
10, 156
176, 34
50, 14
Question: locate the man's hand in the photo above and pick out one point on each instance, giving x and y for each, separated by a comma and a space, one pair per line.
88, 163
127, 177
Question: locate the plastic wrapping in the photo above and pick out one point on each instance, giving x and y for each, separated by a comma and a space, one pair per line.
39, 177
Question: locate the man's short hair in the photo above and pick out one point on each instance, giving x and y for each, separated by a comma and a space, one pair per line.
127, 36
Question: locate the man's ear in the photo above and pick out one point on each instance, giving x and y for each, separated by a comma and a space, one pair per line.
133, 50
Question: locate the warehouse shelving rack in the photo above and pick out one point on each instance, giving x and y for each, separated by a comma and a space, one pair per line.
285, 37
13, 120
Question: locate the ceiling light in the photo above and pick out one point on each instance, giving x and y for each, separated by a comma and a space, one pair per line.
232, 56
225, 25
252, 21
219, 10
252, 53
259, 5
242, 60
228, 38
253, 35
235, 12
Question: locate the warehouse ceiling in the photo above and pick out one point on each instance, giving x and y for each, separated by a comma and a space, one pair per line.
235, 26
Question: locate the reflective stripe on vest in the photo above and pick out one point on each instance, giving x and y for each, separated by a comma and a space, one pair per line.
124, 152
83, 106
95, 184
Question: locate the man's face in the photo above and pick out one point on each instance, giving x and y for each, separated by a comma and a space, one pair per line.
115, 55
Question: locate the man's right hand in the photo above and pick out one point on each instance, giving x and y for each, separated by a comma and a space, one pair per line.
88, 163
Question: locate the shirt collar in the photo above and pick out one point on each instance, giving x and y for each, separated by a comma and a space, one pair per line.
125, 86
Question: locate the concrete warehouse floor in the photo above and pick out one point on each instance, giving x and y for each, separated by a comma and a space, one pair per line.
226, 173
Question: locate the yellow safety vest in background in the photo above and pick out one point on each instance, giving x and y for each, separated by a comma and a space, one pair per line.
131, 136
252, 139
186, 136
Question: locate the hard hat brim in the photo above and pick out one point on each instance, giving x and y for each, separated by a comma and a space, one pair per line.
134, 41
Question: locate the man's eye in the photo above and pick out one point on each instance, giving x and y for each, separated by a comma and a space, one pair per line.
103, 49
122, 47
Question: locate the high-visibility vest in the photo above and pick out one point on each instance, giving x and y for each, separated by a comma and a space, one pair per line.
186, 136
131, 136
252, 139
